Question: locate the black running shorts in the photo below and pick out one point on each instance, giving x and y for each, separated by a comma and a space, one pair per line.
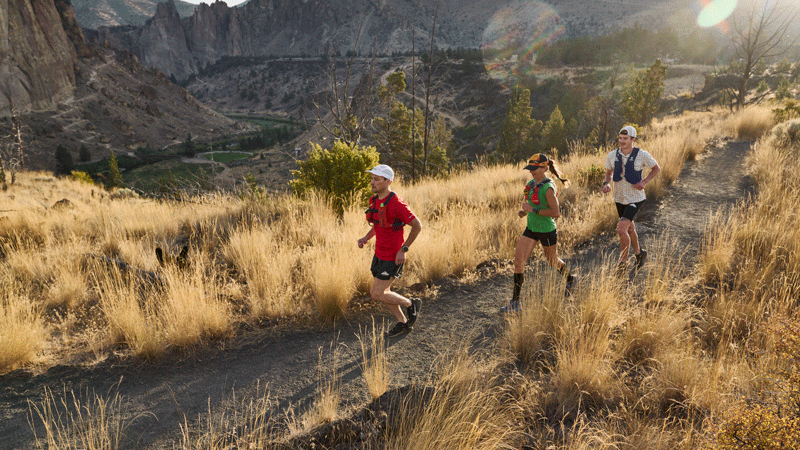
547, 239
629, 211
385, 270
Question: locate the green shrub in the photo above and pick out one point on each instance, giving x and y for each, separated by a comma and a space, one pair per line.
338, 173
591, 176
81, 176
790, 111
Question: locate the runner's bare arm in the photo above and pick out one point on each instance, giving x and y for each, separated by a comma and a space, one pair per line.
366, 237
607, 181
653, 172
554, 210
416, 227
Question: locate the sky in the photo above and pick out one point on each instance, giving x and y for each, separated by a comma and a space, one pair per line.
229, 2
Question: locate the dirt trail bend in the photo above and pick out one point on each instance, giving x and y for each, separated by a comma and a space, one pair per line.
287, 361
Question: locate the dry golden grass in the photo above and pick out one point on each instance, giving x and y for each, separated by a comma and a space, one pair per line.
465, 411
374, 363
246, 422
751, 122
73, 422
266, 257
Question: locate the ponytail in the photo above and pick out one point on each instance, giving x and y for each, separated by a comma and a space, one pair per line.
554, 171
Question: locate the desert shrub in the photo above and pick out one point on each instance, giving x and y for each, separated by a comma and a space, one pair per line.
591, 176
339, 174
771, 421
788, 112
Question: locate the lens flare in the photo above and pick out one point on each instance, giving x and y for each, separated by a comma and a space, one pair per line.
513, 36
715, 12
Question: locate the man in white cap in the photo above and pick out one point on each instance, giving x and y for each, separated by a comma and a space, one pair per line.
388, 214
624, 166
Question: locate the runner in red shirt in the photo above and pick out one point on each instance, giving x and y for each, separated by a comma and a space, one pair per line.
388, 214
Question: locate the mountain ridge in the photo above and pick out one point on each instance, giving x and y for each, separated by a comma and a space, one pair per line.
316, 27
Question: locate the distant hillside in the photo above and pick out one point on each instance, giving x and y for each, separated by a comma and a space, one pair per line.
109, 13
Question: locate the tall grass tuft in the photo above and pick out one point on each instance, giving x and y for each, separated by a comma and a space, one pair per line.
464, 410
374, 363
751, 122
72, 422
247, 422
22, 329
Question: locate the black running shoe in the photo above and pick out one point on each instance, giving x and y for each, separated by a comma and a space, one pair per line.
412, 311
641, 258
570, 286
398, 329
512, 307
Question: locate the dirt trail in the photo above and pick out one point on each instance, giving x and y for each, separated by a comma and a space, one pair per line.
288, 360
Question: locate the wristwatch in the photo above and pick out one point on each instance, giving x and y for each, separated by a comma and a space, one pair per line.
404, 249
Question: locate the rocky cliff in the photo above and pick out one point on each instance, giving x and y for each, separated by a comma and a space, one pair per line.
37, 57
64, 91
108, 13
312, 27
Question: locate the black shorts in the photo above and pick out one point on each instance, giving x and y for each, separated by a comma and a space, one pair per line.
629, 211
547, 239
385, 270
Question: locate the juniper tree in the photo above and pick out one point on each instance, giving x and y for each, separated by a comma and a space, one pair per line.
64, 164
114, 176
554, 134
338, 173
642, 96
519, 129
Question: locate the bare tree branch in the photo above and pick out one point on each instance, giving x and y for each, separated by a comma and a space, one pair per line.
759, 34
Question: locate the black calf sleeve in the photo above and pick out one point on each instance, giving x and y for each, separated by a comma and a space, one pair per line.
518, 280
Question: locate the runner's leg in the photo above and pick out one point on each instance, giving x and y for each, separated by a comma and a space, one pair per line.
394, 302
623, 228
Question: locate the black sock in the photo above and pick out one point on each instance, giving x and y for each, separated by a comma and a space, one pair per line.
518, 279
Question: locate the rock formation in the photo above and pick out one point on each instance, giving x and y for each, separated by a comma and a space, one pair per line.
37, 58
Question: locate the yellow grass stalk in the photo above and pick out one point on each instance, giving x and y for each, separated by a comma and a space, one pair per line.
191, 310
72, 422
267, 267
465, 410
130, 319
22, 329
325, 408
374, 364
243, 422
751, 122
533, 334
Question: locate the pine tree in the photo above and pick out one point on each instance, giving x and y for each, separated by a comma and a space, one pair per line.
642, 96
188, 146
397, 146
114, 176
84, 154
554, 134
64, 163
519, 128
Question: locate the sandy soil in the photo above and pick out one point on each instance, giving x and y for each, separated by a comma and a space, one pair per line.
287, 358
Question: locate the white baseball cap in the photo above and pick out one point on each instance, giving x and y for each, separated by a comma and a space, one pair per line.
382, 170
629, 130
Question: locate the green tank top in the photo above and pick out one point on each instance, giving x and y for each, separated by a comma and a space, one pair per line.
536, 195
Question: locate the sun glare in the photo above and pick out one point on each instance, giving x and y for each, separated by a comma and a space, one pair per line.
715, 12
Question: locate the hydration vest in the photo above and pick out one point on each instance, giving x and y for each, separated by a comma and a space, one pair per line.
533, 197
632, 175
381, 219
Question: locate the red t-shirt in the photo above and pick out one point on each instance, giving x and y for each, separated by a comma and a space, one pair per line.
388, 223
